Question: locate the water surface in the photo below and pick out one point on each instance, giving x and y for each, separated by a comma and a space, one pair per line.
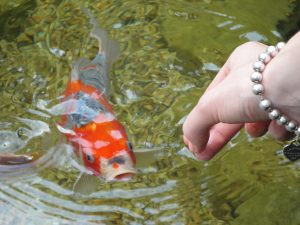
171, 50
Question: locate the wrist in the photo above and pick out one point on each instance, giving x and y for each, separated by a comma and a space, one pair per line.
276, 87
282, 83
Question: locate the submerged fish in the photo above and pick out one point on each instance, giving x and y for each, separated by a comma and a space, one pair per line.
98, 138
88, 121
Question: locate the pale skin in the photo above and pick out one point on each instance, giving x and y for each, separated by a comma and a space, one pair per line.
228, 104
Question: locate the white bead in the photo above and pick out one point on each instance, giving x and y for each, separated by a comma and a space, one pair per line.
274, 114
279, 46
297, 131
282, 120
271, 50
264, 57
291, 126
259, 66
265, 104
256, 77
258, 89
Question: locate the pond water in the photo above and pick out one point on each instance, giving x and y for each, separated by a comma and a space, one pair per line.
171, 50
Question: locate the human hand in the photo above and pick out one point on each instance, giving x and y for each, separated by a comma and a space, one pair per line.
228, 104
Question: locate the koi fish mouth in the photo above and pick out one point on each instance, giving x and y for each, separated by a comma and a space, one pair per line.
118, 168
123, 174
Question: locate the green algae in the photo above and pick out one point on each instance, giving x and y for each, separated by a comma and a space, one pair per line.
171, 50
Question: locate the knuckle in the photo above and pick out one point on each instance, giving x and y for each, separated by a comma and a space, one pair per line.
246, 45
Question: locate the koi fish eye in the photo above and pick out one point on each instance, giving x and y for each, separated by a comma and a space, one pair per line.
90, 158
130, 146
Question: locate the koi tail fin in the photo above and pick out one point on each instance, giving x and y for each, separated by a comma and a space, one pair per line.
109, 48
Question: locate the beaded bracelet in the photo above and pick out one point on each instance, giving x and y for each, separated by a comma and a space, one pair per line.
258, 89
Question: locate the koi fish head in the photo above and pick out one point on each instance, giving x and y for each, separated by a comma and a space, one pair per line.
105, 149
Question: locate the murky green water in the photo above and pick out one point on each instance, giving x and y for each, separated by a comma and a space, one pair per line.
171, 50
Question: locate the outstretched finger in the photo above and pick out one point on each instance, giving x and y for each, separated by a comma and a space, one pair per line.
219, 136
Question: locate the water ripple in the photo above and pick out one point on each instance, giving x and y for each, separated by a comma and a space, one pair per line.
135, 193
171, 50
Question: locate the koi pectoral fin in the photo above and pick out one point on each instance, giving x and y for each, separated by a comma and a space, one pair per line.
146, 156
12, 159
86, 184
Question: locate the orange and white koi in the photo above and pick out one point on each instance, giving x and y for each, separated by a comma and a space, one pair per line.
89, 123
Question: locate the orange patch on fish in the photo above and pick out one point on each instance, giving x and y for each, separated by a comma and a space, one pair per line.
115, 165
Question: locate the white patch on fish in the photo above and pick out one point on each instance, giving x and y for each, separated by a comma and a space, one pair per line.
100, 144
116, 134
82, 142
104, 117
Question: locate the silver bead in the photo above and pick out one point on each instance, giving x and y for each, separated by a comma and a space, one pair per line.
271, 50
259, 66
297, 131
264, 57
291, 126
274, 114
282, 120
265, 104
279, 46
256, 77
258, 89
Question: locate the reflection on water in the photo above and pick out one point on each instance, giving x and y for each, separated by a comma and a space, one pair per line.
170, 52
